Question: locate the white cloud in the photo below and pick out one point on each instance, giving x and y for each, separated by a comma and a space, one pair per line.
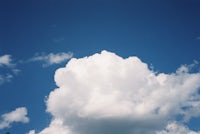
105, 93
193, 109
175, 128
18, 115
51, 58
5, 60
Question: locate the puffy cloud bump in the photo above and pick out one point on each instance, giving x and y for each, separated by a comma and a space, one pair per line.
31, 132
105, 93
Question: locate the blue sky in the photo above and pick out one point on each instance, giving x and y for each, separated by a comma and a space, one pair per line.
162, 33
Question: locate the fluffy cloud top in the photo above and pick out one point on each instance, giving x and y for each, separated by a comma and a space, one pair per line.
18, 115
105, 93
51, 58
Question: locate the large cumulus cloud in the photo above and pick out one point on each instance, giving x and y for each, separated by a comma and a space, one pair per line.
105, 93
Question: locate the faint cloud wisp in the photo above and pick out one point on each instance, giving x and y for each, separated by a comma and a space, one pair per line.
8, 68
51, 58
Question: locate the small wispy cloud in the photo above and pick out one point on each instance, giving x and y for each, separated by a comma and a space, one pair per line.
6, 60
6, 63
51, 58
177, 128
17, 115
198, 38
5, 78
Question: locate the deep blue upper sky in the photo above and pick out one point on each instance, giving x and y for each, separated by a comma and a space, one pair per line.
165, 33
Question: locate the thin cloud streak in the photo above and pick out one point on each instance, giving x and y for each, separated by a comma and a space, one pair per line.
51, 58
